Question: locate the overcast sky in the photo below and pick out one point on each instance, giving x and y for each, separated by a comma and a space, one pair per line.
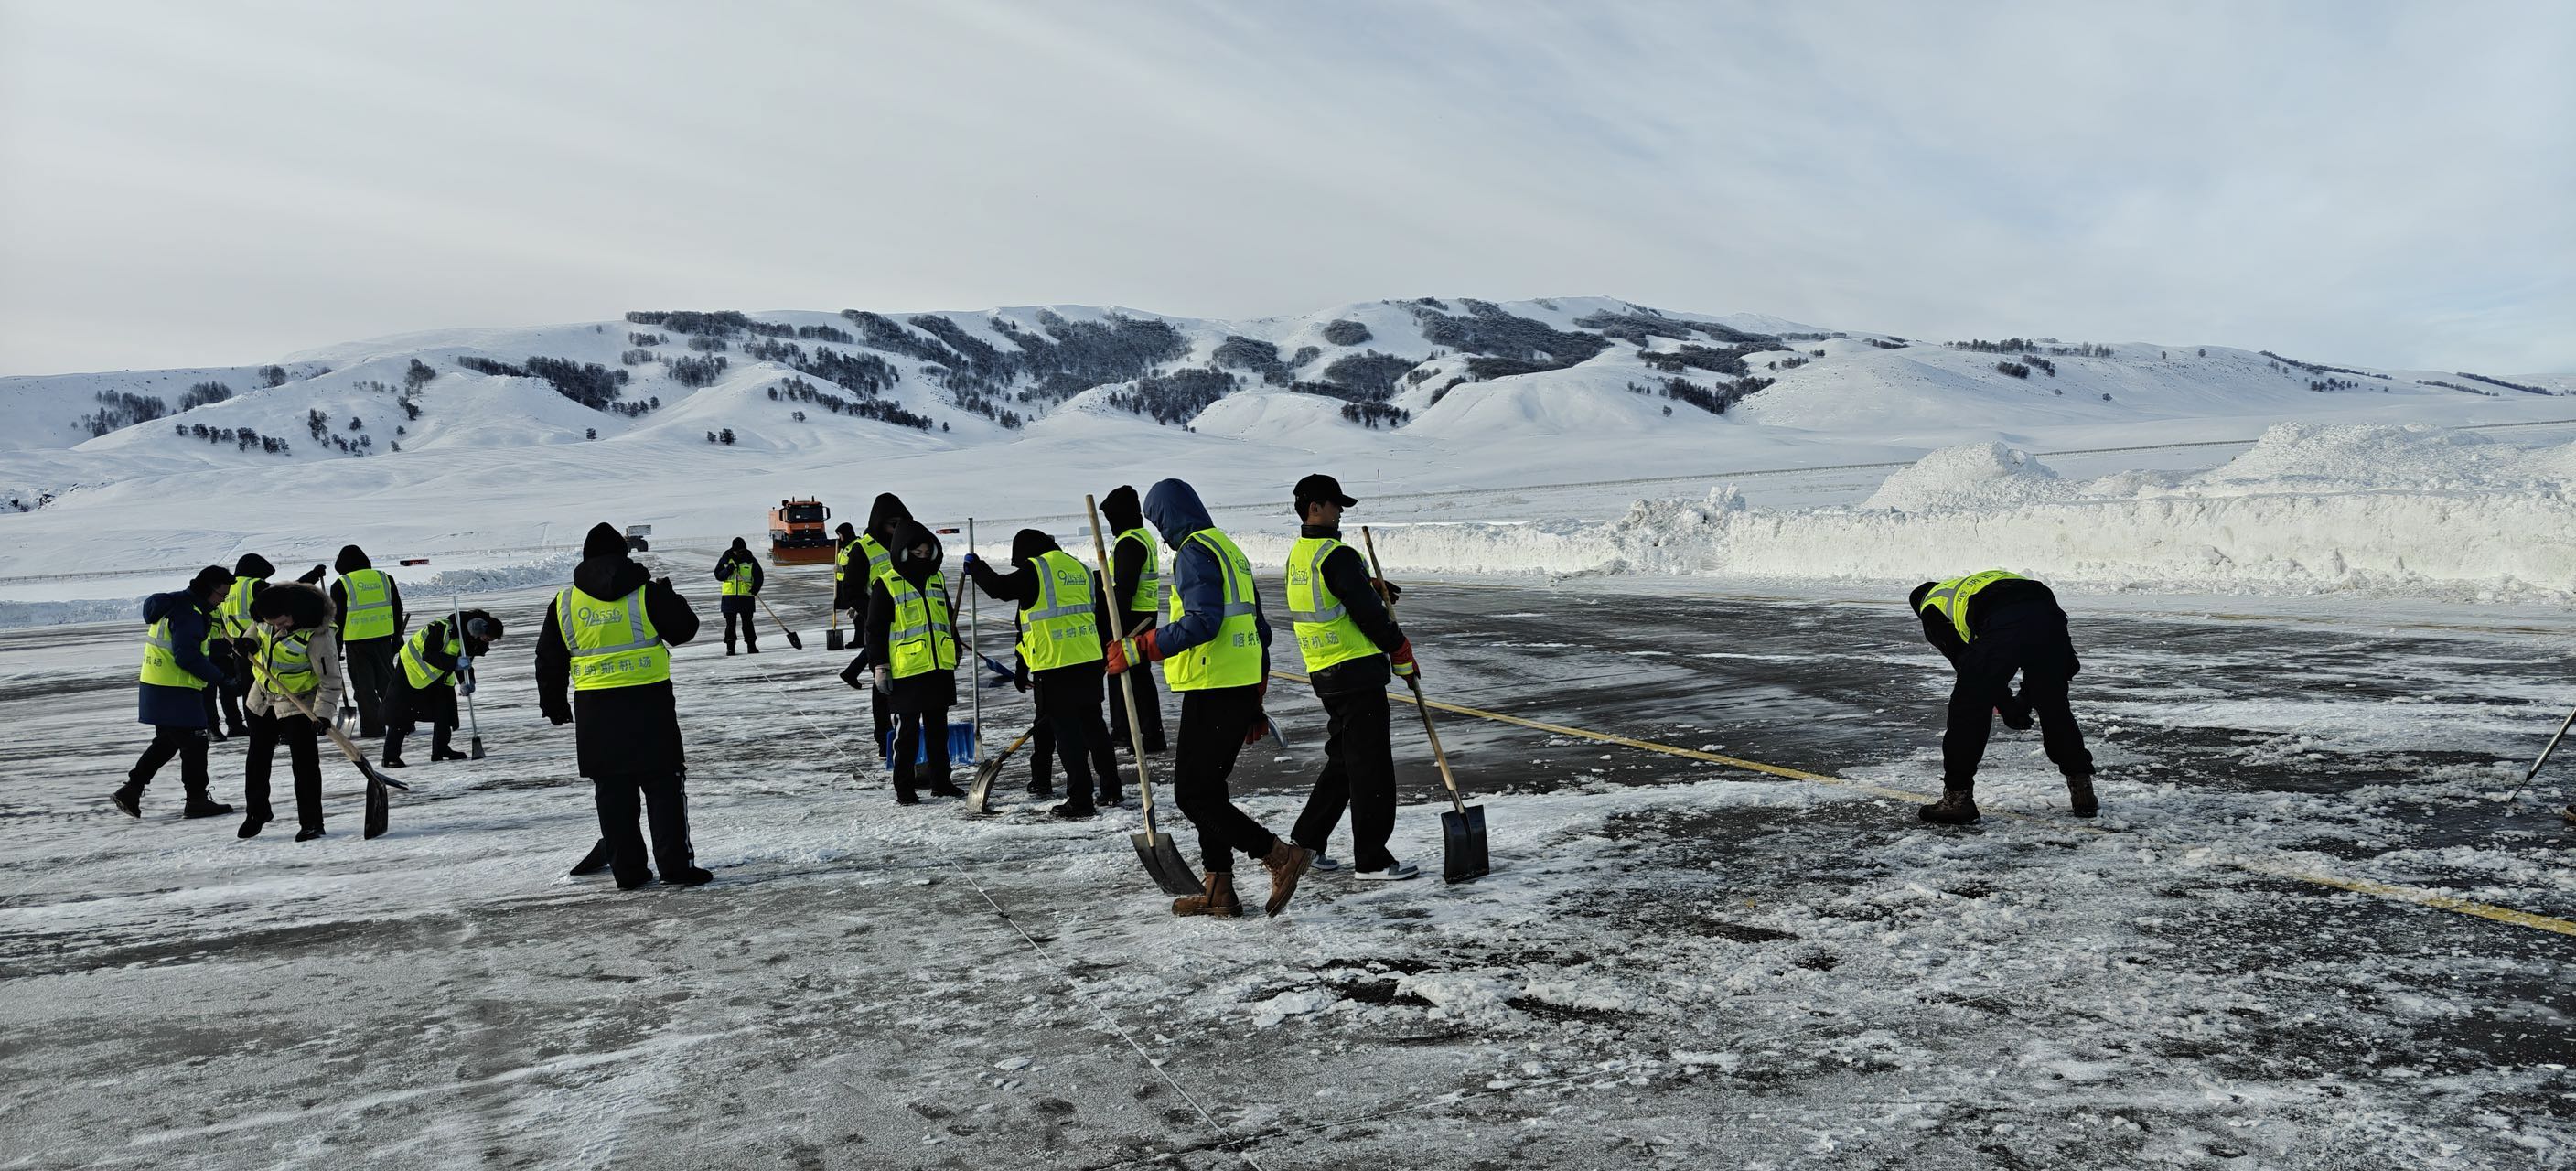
2344, 182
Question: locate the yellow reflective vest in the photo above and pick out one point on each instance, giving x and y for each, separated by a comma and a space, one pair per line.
738, 583
921, 639
236, 607
1326, 635
161, 661
415, 657
1950, 598
286, 661
1233, 657
613, 644
371, 605
1060, 627
1148, 594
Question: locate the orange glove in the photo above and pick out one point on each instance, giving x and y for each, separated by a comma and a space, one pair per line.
1131, 652
1403, 660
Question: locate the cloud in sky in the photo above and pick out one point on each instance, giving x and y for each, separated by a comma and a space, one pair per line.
2391, 184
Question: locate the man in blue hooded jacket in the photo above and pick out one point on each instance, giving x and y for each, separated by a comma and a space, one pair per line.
177, 669
1215, 651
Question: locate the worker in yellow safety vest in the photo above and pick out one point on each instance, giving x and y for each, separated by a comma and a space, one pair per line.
1215, 651
1136, 594
1061, 616
250, 575
867, 558
738, 582
435, 663
911, 652
1992, 625
372, 622
1352, 648
180, 631
295, 669
607, 640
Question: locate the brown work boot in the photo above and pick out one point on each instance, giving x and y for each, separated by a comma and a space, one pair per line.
1956, 807
1218, 903
2079, 795
1287, 862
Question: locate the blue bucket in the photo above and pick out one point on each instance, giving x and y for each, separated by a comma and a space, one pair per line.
961, 746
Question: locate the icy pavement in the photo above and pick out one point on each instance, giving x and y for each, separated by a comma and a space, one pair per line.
1673, 964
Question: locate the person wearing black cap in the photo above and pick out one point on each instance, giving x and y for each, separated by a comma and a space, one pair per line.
738, 578
1061, 614
1351, 646
178, 667
607, 640
372, 622
912, 653
1136, 597
433, 663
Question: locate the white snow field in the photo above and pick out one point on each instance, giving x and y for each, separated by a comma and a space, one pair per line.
2324, 615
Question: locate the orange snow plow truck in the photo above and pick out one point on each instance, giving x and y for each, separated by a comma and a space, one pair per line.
797, 535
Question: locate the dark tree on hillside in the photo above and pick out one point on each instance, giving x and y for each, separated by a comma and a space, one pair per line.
418, 375
204, 394
274, 375
1346, 333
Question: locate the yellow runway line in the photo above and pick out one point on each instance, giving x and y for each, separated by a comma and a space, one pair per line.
2269, 867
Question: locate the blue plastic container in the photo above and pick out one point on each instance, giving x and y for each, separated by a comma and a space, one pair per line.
961, 746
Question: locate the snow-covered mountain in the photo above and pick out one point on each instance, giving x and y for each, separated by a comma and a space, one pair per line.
699, 418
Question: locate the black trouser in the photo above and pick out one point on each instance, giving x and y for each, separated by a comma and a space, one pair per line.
738, 609
372, 676
1149, 709
913, 731
403, 703
188, 744
665, 805
2031, 640
304, 757
1359, 773
1213, 721
1069, 727
878, 713
231, 693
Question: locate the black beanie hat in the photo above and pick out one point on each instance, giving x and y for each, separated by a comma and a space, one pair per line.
604, 541
211, 579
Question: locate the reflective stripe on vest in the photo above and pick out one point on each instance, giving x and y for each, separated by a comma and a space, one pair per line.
415, 658
161, 660
1060, 628
920, 640
1951, 597
1233, 657
841, 559
1326, 635
236, 608
371, 605
613, 644
738, 583
1148, 595
286, 661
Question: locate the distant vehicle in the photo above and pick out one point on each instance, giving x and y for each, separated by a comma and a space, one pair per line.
635, 542
796, 533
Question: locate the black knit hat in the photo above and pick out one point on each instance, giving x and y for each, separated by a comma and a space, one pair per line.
604, 541
213, 579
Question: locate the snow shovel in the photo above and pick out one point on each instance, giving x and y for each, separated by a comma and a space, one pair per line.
989, 770
377, 782
2516, 798
974, 695
792, 640
832, 637
1154, 848
473, 727
1462, 830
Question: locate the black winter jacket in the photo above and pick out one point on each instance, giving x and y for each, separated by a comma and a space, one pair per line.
1120, 513
1021, 586
2012, 601
618, 730
931, 691
726, 563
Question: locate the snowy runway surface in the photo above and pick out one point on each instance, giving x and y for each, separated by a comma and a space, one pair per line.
1674, 963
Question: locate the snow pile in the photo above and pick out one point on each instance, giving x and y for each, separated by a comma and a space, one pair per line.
2309, 508
1975, 475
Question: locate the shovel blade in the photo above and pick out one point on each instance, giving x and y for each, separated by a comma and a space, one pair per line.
376, 807
980, 791
832, 639
1162, 859
475, 752
1462, 845
795, 642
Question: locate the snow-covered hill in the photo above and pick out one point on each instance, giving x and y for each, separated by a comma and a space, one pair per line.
695, 421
